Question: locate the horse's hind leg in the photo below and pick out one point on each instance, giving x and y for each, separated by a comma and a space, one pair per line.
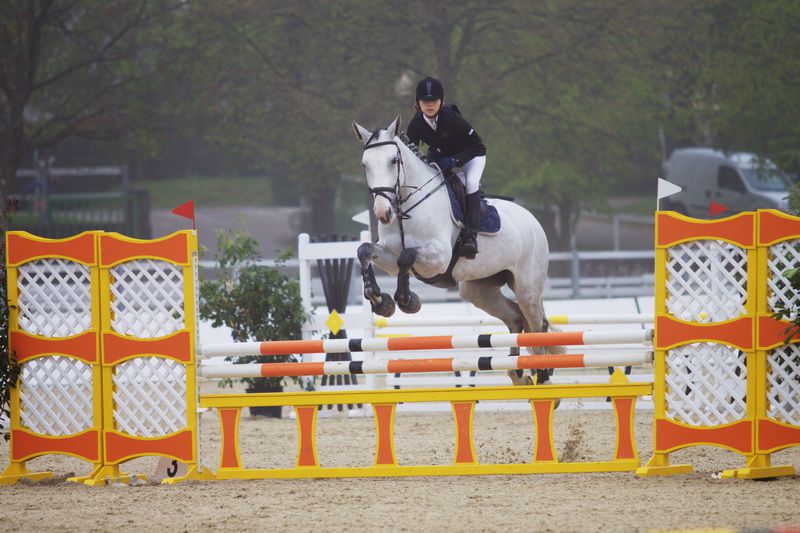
382, 304
486, 295
532, 308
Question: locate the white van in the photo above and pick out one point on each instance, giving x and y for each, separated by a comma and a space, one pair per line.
739, 181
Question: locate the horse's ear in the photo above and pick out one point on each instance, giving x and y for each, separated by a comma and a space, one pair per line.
362, 133
394, 127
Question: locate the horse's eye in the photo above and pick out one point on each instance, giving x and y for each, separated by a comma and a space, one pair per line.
394, 161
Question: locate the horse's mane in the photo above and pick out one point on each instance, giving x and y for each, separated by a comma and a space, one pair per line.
413, 147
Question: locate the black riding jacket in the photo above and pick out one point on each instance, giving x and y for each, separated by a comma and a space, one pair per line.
454, 137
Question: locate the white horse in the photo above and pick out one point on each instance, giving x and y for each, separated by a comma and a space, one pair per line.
417, 234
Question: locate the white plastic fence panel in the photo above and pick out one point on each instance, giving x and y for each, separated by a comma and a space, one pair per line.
149, 392
55, 301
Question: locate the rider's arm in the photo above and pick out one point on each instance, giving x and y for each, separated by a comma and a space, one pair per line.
473, 145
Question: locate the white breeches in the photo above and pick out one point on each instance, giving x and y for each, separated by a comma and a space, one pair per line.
470, 174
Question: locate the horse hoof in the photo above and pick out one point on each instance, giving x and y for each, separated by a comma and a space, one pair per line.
542, 376
410, 303
386, 307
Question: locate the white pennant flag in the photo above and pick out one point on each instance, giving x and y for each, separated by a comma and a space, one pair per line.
666, 188
362, 218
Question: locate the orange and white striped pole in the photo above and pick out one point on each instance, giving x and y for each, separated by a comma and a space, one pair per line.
444, 364
439, 342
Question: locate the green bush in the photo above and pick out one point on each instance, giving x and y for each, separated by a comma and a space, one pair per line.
790, 312
794, 199
258, 303
8, 369
792, 275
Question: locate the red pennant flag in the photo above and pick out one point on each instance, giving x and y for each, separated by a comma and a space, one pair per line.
715, 209
186, 210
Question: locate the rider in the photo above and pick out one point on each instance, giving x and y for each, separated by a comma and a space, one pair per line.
452, 143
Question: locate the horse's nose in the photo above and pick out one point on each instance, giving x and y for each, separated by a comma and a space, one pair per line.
385, 216
382, 210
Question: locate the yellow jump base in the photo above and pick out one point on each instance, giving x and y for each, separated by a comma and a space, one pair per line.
542, 399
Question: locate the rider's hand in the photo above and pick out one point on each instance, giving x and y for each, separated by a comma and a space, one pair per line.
447, 164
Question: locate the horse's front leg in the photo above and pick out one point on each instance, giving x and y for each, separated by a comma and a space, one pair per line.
408, 301
382, 304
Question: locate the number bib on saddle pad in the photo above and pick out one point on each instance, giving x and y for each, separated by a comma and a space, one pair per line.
490, 219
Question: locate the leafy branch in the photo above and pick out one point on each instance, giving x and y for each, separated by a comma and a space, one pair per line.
257, 302
9, 369
790, 312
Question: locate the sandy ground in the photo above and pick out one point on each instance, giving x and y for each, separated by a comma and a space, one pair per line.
575, 502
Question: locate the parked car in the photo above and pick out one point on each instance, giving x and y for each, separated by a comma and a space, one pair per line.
740, 181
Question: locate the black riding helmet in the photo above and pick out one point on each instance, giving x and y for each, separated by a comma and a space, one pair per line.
430, 89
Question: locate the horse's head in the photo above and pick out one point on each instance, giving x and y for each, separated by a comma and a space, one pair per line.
383, 167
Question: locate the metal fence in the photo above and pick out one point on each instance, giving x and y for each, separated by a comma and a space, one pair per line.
48, 211
572, 287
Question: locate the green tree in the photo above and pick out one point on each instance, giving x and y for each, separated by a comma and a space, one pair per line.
85, 70
258, 303
574, 112
757, 80
730, 77
569, 95
288, 78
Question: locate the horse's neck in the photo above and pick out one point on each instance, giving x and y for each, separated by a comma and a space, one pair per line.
432, 215
418, 174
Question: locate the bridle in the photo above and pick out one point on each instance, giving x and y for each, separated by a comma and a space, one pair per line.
398, 201
383, 191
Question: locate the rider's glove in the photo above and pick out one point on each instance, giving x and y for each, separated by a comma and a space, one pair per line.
447, 164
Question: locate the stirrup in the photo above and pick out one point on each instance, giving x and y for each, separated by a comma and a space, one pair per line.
469, 248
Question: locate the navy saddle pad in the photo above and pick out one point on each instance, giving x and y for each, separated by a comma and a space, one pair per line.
490, 221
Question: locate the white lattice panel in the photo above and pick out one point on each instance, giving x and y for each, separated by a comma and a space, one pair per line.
706, 384
56, 395
783, 384
150, 396
147, 298
782, 256
55, 297
706, 281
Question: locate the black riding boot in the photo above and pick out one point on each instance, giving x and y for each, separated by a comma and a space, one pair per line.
469, 246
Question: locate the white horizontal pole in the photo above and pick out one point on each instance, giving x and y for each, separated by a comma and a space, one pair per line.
467, 320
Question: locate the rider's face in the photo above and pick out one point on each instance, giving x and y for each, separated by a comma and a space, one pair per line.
430, 107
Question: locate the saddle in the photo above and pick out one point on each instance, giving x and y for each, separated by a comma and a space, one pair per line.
460, 191
456, 193
490, 223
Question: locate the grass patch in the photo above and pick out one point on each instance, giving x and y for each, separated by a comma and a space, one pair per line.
209, 191
644, 206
